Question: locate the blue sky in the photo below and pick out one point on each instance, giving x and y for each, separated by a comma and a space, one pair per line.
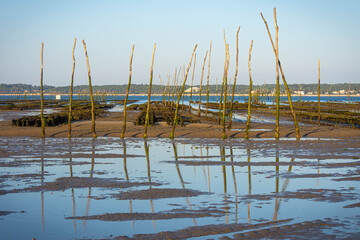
308, 29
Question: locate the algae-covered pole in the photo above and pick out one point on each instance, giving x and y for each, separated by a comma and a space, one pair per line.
297, 129
180, 94
71, 90
249, 104
192, 81
277, 127
127, 92
225, 92
208, 81
318, 120
236, 72
91, 94
149, 94
42, 94
201, 80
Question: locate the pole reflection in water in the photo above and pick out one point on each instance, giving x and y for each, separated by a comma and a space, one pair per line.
208, 168
276, 183
91, 175
235, 186
203, 168
72, 189
249, 180
146, 146
222, 154
43, 145
127, 176
180, 176
286, 183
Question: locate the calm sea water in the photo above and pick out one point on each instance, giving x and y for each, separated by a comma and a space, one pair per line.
186, 98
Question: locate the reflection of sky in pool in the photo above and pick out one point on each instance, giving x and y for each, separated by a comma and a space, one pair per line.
229, 185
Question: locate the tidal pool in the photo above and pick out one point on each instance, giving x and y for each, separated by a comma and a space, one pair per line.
187, 188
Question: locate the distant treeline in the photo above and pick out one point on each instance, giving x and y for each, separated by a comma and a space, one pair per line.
156, 89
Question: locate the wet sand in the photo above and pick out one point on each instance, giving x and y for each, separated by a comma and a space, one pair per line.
111, 126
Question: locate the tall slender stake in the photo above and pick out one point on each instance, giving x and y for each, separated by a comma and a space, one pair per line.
221, 96
91, 94
127, 92
192, 81
42, 94
249, 104
277, 126
208, 81
180, 94
71, 90
225, 92
297, 129
318, 120
149, 94
236, 72
201, 80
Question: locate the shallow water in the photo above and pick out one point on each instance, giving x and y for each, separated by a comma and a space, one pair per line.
240, 182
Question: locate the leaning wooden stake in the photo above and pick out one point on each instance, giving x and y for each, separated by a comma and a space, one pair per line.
42, 94
127, 92
236, 72
224, 136
91, 94
318, 120
192, 81
249, 104
201, 80
180, 94
71, 90
149, 94
297, 129
208, 81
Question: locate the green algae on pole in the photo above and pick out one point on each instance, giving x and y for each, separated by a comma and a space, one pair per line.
208, 80
149, 94
224, 136
180, 94
249, 104
71, 91
297, 129
236, 72
201, 80
42, 94
91, 94
127, 92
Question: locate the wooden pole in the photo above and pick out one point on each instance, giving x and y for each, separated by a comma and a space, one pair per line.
224, 136
208, 81
192, 81
297, 129
149, 94
236, 72
91, 94
318, 120
127, 92
71, 90
249, 104
180, 94
42, 94
201, 80
277, 126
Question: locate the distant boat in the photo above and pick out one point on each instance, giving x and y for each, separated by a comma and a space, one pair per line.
58, 97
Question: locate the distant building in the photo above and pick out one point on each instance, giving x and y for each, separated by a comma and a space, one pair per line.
342, 91
194, 90
299, 92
